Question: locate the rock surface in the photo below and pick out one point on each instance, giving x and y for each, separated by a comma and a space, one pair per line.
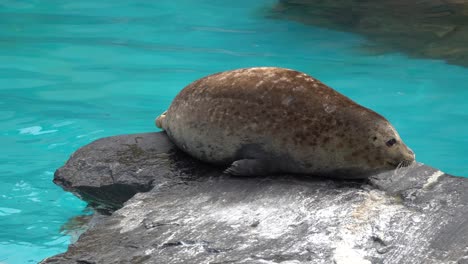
429, 28
188, 212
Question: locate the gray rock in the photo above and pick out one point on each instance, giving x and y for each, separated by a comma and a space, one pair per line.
109, 171
192, 213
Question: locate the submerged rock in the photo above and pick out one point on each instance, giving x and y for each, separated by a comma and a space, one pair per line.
429, 29
188, 212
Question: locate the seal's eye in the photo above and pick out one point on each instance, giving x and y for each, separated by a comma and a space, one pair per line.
391, 142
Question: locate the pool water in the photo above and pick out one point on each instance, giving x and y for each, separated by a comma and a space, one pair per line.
75, 71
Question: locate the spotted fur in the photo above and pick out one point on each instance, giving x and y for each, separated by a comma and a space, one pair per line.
285, 117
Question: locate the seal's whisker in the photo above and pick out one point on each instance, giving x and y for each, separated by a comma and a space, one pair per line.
397, 169
406, 163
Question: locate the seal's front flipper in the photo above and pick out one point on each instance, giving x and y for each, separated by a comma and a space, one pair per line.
251, 167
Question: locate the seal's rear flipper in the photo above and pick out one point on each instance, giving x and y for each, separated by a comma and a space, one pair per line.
251, 167
160, 119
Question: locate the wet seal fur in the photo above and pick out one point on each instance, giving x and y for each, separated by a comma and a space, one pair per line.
272, 120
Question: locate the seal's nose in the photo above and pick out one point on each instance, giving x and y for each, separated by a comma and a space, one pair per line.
412, 154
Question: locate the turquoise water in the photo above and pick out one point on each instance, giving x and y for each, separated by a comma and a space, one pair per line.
75, 71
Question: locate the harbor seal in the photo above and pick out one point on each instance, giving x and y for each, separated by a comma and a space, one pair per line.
267, 120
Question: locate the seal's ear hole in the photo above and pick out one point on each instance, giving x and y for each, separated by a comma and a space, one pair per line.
391, 142
374, 138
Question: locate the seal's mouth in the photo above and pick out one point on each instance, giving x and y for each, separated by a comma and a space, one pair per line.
404, 163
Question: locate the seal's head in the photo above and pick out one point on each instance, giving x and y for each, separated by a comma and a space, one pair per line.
388, 148
372, 145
